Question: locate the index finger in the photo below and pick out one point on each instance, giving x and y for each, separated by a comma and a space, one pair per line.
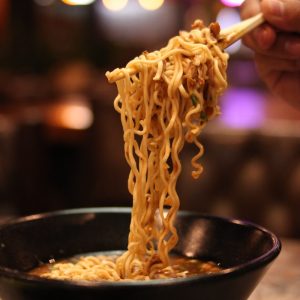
249, 8
262, 37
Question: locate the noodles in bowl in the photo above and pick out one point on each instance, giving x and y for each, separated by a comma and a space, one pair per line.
244, 251
165, 98
95, 267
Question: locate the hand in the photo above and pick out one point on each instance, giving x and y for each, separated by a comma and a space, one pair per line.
277, 45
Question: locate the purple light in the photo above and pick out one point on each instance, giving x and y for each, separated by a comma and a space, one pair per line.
232, 3
243, 108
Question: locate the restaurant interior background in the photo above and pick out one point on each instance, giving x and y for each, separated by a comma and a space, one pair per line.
61, 140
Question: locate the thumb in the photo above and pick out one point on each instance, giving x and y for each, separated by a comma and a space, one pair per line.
283, 14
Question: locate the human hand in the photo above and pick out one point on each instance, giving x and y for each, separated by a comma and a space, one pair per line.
276, 45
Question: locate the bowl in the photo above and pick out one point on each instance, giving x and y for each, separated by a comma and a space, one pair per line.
244, 250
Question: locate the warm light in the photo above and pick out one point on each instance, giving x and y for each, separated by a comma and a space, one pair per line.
77, 117
232, 3
151, 4
78, 2
114, 5
71, 115
133, 23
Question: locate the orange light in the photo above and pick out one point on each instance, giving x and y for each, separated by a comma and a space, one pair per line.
151, 4
72, 115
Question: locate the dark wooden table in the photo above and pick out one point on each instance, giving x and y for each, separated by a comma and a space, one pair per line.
282, 281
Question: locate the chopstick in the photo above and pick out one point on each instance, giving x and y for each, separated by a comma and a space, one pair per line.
227, 37
230, 35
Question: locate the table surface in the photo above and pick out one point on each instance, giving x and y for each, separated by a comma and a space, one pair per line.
282, 281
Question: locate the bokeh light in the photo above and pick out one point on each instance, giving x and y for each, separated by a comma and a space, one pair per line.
133, 23
78, 2
151, 4
114, 5
232, 3
243, 108
72, 114
227, 17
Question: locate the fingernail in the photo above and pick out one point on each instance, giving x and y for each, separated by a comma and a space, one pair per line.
276, 7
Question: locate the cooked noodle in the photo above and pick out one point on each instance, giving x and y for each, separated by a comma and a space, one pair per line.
165, 98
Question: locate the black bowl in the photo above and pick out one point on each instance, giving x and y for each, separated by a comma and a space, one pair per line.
244, 250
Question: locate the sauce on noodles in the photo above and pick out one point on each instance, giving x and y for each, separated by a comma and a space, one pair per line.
165, 98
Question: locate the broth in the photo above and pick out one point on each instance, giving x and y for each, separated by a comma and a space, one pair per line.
84, 267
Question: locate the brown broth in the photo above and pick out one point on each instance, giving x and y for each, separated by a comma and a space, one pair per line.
179, 264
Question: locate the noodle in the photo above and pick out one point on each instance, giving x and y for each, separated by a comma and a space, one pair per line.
165, 98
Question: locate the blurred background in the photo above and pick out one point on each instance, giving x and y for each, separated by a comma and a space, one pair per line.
61, 140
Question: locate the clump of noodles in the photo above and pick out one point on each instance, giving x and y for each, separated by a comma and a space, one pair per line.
88, 268
165, 98
103, 268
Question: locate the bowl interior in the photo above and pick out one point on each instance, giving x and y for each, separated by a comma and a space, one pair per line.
30, 241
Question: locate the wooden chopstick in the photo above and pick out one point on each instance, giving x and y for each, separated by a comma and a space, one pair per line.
233, 33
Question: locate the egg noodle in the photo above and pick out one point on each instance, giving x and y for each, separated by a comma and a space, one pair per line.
165, 98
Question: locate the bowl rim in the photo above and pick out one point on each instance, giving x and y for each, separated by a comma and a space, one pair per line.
253, 264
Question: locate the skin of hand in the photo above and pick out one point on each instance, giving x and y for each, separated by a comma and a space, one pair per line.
276, 45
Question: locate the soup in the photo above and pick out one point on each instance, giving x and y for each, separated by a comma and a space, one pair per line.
93, 267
